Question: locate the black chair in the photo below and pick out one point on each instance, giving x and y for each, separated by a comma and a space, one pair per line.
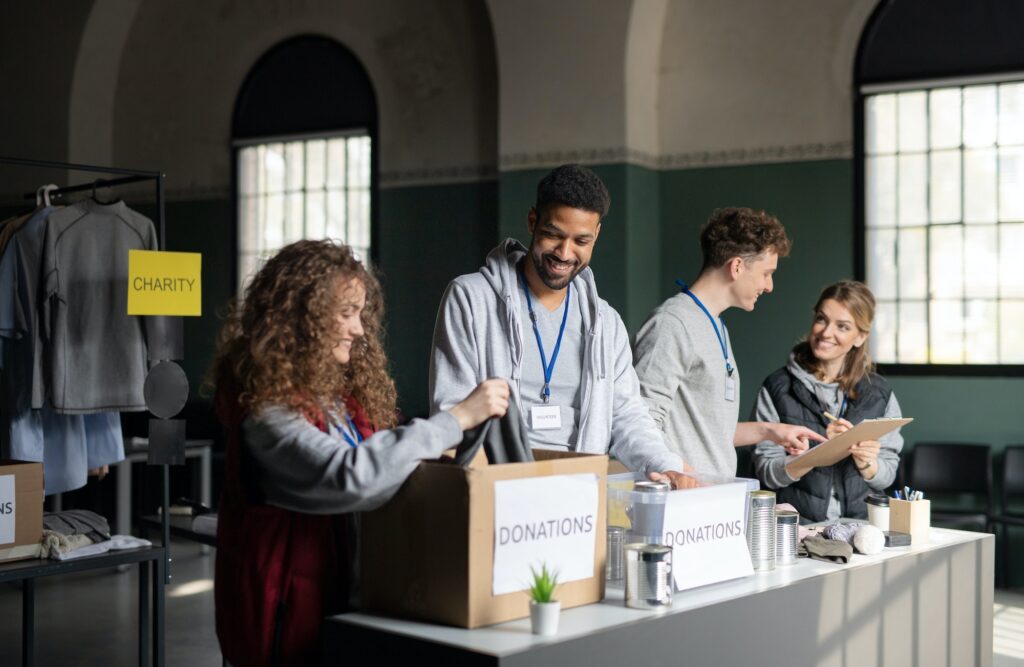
1012, 489
953, 468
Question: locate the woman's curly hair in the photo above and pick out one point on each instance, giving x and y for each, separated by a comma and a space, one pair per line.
276, 345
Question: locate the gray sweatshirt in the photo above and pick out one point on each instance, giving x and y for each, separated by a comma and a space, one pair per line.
478, 335
770, 458
303, 469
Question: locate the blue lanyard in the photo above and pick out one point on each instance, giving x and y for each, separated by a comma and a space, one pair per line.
842, 408
545, 393
345, 434
721, 341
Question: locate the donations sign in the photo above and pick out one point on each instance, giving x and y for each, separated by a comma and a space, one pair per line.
544, 521
7, 509
706, 529
164, 283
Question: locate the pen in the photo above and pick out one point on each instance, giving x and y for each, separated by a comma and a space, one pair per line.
831, 417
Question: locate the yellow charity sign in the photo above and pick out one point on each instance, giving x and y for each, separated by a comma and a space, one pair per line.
164, 283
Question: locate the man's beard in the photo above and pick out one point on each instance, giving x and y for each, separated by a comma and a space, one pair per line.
552, 281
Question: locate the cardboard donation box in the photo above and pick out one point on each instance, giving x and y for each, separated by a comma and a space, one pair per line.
455, 545
21, 509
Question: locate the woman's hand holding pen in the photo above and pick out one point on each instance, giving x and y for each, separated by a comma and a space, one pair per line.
836, 427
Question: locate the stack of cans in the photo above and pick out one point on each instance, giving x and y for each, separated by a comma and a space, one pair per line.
761, 530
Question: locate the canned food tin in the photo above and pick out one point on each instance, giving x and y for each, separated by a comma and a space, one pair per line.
614, 570
648, 576
648, 512
761, 530
787, 532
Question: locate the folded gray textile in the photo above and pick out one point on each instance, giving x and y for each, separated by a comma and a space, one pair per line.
78, 522
504, 440
54, 544
830, 551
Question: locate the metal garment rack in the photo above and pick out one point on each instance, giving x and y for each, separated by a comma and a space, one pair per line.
126, 176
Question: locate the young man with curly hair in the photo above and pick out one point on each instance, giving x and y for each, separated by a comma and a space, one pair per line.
304, 394
684, 359
533, 316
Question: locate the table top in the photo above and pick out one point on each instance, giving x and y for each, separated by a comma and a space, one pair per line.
44, 567
515, 636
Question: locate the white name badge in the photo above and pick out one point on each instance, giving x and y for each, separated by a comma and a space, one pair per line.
730, 388
545, 417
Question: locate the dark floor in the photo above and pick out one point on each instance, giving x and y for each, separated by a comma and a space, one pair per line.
92, 618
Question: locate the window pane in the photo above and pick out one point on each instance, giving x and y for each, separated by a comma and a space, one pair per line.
359, 162
1011, 332
947, 265
1011, 260
980, 329
248, 263
316, 216
883, 333
248, 171
945, 186
249, 224
336, 215
979, 115
296, 160
1011, 113
912, 341
980, 186
316, 150
912, 110
880, 117
1011, 184
881, 191
359, 217
944, 117
273, 229
273, 162
293, 217
946, 332
913, 189
912, 264
981, 266
336, 163
881, 263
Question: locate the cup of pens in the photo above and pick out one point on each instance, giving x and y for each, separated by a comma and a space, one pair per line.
910, 513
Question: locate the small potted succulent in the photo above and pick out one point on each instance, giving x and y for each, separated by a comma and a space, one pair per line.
544, 609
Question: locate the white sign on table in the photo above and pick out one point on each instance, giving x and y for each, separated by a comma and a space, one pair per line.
544, 520
7, 509
706, 529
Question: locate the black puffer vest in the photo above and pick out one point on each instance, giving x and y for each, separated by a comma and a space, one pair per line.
796, 404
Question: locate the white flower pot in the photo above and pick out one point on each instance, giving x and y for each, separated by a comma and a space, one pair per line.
544, 617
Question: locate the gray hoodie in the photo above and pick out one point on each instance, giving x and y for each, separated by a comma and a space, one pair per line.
770, 458
478, 336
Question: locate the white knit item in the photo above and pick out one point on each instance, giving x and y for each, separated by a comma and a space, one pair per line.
869, 540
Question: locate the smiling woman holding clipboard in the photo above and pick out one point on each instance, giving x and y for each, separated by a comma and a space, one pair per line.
829, 385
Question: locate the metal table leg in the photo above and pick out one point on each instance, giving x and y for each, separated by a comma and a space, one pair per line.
144, 618
28, 621
158, 613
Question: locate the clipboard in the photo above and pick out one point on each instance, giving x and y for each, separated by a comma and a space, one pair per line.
838, 448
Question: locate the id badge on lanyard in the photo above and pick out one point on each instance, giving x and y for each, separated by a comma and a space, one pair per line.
730, 387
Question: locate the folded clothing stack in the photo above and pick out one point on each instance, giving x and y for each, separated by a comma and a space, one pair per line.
76, 533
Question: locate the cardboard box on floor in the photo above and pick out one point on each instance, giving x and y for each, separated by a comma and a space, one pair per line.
429, 552
21, 509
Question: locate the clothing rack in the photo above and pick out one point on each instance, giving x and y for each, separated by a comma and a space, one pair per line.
126, 176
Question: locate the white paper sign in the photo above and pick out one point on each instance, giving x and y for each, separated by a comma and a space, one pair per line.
706, 529
6, 509
544, 520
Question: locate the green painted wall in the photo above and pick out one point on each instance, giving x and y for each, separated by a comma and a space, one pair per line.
428, 235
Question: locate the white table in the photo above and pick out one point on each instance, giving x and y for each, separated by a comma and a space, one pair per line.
921, 605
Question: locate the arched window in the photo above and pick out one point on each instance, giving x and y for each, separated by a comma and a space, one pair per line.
304, 130
939, 128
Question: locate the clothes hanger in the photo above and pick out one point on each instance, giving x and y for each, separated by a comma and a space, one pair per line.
43, 194
95, 184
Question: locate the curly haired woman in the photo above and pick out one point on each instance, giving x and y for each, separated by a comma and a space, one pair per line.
302, 389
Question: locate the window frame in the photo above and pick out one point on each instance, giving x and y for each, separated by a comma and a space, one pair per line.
238, 144
861, 93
